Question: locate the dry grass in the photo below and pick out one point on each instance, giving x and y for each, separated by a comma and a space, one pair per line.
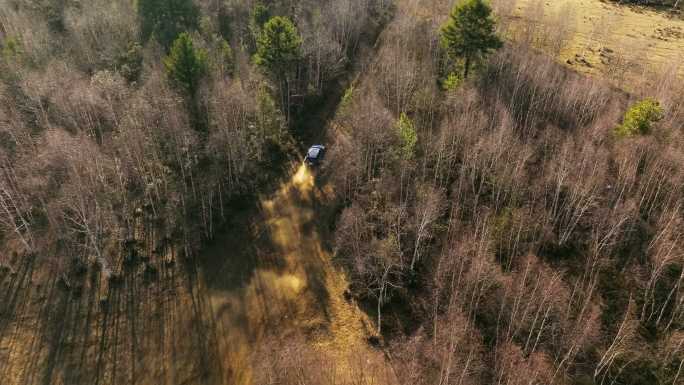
625, 44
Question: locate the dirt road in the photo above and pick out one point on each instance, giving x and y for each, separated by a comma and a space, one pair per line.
293, 302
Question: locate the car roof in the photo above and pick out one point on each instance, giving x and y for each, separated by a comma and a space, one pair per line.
313, 152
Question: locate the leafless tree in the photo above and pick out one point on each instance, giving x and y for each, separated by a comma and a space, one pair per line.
618, 347
428, 209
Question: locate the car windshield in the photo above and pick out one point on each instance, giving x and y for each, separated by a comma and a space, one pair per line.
313, 152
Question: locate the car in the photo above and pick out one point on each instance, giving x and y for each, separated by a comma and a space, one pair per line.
314, 156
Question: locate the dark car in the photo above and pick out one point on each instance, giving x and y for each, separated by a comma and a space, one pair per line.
315, 155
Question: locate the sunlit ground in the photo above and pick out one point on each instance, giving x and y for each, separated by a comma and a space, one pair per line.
602, 38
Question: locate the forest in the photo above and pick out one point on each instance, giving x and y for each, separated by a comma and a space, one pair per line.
486, 212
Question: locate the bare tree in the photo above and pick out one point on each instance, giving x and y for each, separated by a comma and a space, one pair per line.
428, 209
619, 346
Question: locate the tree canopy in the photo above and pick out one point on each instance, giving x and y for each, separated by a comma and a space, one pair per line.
166, 19
470, 32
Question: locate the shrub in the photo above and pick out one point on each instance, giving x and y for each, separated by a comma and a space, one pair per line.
10, 48
54, 13
452, 81
348, 96
407, 135
639, 119
130, 63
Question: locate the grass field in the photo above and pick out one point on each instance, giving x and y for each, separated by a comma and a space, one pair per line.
626, 44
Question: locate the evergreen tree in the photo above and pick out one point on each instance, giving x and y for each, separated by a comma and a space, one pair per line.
278, 46
469, 34
186, 65
278, 50
166, 19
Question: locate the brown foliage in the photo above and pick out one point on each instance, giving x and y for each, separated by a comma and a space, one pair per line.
544, 212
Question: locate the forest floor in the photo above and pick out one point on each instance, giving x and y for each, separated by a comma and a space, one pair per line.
620, 42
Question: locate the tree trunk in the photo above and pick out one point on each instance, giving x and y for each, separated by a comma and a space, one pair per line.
287, 100
467, 67
380, 312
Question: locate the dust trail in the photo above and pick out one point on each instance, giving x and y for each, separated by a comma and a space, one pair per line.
299, 293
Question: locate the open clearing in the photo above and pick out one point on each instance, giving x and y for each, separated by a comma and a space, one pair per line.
623, 43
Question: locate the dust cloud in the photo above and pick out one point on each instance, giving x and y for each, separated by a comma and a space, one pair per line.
297, 298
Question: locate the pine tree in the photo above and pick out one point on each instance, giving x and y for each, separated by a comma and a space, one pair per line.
278, 46
186, 65
469, 34
278, 50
